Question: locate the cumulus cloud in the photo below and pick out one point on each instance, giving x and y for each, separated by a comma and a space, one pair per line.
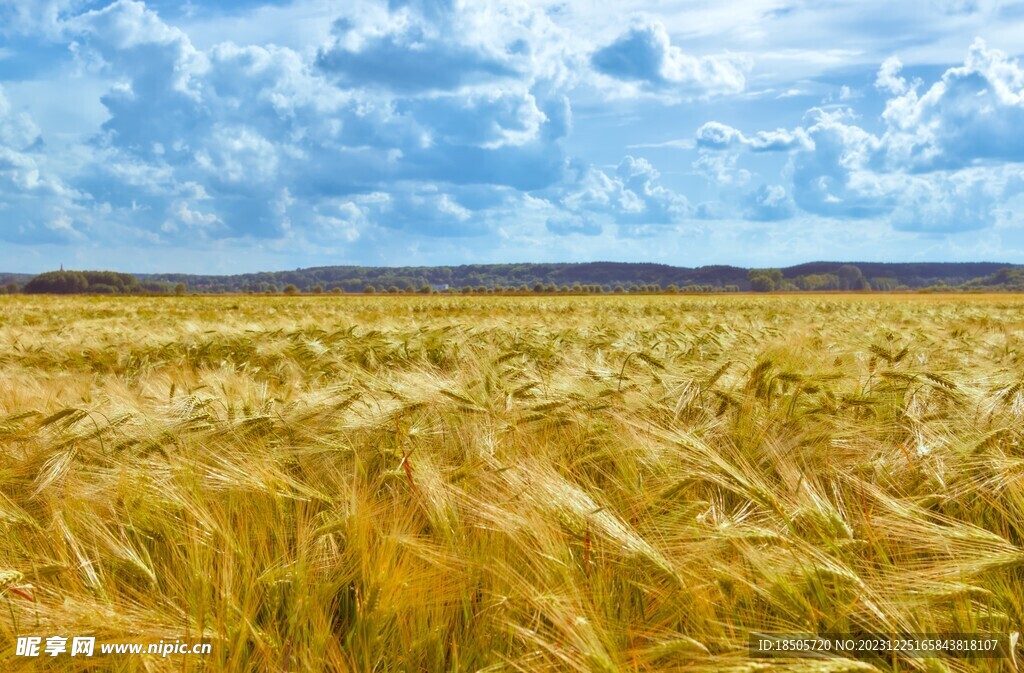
850, 174
949, 202
835, 178
974, 113
35, 203
267, 142
38, 16
231, 120
490, 120
426, 210
769, 203
182, 214
631, 195
411, 59
943, 162
572, 223
888, 78
721, 168
246, 122
718, 136
18, 130
416, 48
645, 55
420, 119
134, 41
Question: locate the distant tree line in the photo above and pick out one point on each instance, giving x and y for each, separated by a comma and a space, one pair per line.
83, 282
848, 277
590, 278
821, 276
1010, 278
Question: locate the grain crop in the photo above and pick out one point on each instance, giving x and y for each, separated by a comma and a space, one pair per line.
444, 483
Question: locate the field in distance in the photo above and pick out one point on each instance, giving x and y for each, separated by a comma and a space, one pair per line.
436, 483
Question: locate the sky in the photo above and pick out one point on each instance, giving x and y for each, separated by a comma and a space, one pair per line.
246, 135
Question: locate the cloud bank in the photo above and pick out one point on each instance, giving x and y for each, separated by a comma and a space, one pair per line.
448, 131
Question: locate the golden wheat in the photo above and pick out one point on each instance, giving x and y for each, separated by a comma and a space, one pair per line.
508, 483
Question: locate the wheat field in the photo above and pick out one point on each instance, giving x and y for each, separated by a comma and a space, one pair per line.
508, 483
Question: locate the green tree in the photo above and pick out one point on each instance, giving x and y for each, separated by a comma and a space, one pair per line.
369, 289
884, 284
764, 280
850, 277
291, 289
101, 288
761, 284
817, 281
156, 287
179, 289
317, 289
57, 282
1010, 278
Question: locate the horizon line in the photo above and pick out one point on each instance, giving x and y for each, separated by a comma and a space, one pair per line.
486, 264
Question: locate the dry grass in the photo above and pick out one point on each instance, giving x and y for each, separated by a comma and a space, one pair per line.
520, 484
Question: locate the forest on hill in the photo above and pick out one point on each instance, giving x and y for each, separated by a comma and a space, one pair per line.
593, 277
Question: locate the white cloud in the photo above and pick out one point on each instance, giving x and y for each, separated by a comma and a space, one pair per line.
718, 136
888, 78
644, 56
38, 205
34, 17
943, 163
238, 154
721, 168
193, 220
422, 120
974, 113
17, 129
134, 40
769, 203
956, 201
835, 178
632, 195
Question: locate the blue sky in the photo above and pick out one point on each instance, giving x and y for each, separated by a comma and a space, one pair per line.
239, 136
